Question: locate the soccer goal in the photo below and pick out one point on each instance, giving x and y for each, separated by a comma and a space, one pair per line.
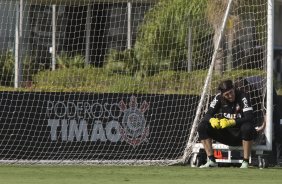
121, 81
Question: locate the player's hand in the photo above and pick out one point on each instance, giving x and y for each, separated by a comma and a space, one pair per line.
224, 123
215, 123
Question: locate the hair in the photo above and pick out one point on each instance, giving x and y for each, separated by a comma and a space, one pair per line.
225, 85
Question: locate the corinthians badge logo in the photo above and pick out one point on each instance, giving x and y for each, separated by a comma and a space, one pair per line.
133, 129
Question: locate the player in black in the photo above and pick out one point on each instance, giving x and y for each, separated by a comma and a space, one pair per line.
229, 120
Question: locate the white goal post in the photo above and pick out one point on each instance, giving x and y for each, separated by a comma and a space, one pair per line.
123, 81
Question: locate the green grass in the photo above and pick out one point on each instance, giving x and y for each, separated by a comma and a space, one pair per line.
136, 174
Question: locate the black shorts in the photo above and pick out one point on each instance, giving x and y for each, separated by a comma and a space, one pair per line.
231, 136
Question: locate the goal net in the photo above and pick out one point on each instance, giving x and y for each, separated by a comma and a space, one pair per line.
120, 82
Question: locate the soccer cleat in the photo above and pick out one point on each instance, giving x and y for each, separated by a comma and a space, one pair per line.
209, 164
244, 165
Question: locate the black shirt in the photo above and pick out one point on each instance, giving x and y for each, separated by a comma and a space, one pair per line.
241, 109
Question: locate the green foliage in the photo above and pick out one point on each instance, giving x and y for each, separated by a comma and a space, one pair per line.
88, 79
260, 11
156, 63
243, 10
161, 41
99, 80
65, 61
7, 71
68, 79
121, 62
30, 68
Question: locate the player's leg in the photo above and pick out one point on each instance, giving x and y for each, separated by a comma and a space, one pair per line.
247, 147
248, 135
205, 139
207, 143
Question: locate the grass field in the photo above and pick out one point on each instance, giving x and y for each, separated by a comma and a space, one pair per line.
136, 174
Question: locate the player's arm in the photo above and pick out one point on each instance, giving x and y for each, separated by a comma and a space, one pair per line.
213, 108
247, 110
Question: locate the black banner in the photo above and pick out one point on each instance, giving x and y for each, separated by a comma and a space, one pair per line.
66, 126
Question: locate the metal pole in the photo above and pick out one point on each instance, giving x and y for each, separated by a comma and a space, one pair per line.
189, 53
21, 17
54, 24
18, 36
16, 80
88, 29
269, 97
129, 17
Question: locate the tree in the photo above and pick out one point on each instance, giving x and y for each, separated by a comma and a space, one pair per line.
161, 40
242, 26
